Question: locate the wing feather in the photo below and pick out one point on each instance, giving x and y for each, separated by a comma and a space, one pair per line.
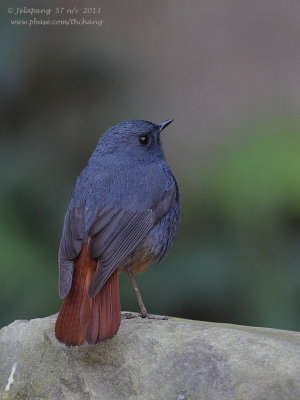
113, 246
112, 237
70, 246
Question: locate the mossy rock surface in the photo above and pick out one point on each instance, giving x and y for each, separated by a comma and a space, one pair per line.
151, 360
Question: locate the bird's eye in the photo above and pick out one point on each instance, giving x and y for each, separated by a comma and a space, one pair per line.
144, 140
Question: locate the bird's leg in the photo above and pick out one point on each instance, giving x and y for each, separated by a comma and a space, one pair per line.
143, 311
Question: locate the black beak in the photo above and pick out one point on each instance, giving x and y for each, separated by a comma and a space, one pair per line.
164, 124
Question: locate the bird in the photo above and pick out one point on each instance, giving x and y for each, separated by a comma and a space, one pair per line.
123, 215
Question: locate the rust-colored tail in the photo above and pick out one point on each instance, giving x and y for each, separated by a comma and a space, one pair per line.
88, 319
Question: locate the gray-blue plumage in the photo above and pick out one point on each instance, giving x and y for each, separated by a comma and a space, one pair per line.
125, 204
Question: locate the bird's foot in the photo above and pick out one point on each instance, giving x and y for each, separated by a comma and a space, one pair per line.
130, 315
151, 316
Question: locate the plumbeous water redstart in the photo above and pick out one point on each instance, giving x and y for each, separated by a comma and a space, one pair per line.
123, 215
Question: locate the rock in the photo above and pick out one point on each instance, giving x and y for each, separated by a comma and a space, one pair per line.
151, 359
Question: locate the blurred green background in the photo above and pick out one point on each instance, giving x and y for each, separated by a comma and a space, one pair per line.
229, 73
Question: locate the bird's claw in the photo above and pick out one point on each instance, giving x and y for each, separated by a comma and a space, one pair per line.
151, 316
129, 315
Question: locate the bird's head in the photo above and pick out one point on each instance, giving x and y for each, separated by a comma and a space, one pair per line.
136, 139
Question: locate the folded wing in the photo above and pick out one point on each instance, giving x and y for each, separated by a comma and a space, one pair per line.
113, 236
